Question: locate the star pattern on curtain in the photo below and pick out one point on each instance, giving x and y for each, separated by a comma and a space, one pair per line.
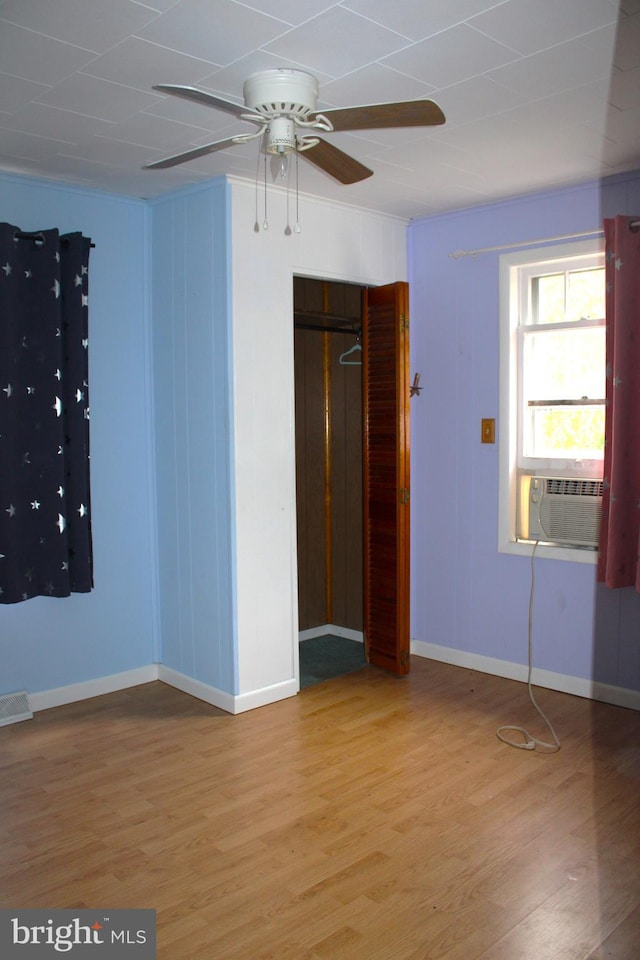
45, 522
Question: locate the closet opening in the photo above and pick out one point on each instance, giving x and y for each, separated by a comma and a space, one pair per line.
329, 477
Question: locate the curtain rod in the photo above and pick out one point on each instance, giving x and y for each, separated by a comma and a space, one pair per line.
458, 254
38, 235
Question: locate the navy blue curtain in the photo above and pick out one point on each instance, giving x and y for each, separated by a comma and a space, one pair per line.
45, 505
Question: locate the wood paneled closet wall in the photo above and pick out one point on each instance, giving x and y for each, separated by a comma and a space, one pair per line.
328, 453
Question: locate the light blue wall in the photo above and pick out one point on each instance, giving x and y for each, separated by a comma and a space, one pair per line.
48, 642
465, 595
191, 252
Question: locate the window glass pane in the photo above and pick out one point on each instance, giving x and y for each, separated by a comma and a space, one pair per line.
548, 299
570, 296
585, 295
563, 365
566, 432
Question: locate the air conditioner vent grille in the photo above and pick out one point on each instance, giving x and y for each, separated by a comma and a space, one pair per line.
574, 488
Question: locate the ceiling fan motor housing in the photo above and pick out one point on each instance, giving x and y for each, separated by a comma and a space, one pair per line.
281, 91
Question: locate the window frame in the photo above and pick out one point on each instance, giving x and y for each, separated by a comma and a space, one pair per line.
515, 268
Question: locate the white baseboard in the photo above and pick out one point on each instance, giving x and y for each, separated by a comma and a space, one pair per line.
239, 703
265, 695
75, 692
58, 696
196, 688
589, 689
334, 630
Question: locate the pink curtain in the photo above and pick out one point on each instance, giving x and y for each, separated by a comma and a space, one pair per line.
618, 560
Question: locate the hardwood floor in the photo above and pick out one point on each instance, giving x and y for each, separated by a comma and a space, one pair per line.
369, 818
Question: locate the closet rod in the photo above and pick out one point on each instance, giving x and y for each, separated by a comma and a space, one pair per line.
356, 331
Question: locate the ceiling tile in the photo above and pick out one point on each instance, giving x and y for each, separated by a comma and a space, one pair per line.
427, 153
474, 99
627, 55
92, 24
158, 133
98, 98
69, 167
624, 92
452, 56
551, 71
622, 126
58, 124
32, 56
15, 93
587, 103
418, 20
138, 63
620, 156
600, 44
17, 144
160, 6
290, 11
219, 32
113, 152
479, 137
196, 115
527, 26
378, 84
327, 42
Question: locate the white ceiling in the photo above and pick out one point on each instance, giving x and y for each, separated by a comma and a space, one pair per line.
537, 93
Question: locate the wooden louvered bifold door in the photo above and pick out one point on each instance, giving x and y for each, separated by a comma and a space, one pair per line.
386, 475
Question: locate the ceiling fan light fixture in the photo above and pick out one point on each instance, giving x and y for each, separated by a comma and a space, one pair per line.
279, 164
281, 136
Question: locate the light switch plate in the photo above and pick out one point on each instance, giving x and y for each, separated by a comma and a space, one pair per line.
488, 431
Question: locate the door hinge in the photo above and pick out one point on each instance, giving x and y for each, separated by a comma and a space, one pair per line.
404, 321
404, 658
404, 495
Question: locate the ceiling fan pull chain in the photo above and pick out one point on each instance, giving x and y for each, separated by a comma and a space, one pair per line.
256, 225
265, 223
297, 228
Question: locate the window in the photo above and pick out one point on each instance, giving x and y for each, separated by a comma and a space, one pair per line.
552, 371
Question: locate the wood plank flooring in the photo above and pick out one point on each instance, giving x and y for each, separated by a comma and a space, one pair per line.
370, 817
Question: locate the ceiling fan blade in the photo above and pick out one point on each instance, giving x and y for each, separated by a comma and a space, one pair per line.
191, 154
202, 97
336, 163
404, 113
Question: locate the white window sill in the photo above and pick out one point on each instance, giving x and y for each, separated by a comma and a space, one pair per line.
523, 548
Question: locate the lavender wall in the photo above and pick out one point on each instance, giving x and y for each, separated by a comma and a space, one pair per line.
466, 597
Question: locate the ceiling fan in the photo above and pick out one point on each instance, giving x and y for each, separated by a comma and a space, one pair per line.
282, 104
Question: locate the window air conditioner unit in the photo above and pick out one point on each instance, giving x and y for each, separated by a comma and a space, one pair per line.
564, 510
